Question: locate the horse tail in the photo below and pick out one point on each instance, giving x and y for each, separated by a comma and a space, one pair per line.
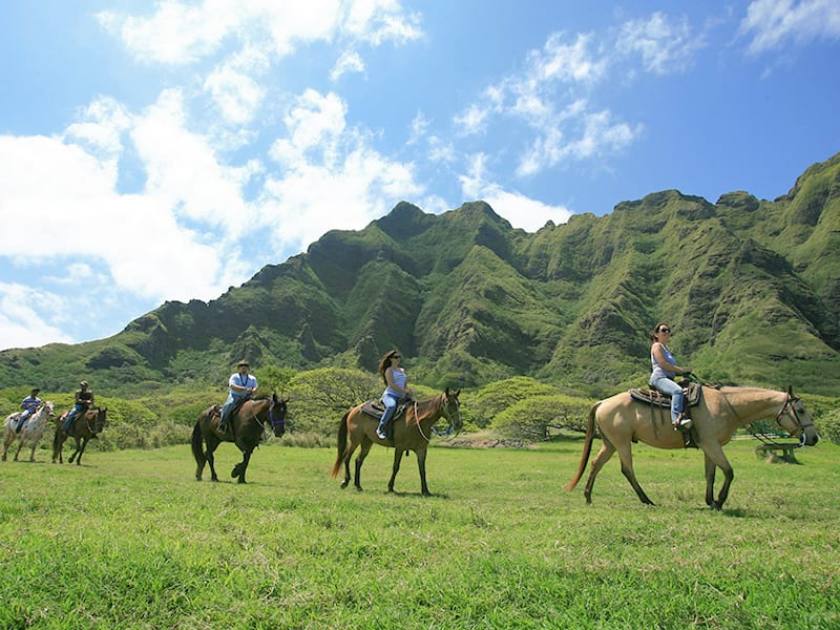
197, 451
587, 449
342, 444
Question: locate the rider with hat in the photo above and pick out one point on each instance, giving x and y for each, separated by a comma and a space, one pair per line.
83, 402
241, 387
29, 405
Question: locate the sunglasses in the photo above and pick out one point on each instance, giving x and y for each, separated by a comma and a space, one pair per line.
665, 330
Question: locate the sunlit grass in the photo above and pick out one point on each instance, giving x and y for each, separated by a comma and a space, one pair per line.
131, 540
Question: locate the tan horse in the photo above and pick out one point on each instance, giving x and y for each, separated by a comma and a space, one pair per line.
621, 420
412, 432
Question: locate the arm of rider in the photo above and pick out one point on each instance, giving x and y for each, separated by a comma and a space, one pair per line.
91, 399
389, 377
659, 355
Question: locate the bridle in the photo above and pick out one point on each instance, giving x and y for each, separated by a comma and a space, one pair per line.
790, 402
449, 431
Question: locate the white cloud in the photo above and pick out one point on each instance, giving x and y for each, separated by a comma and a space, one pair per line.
379, 21
183, 171
473, 120
332, 178
598, 135
349, 61
24, 316
440, 151
665, 45
522, 211
180, 33
101, 126
419, 126
234, 88
68, 196
770, 23
549, 96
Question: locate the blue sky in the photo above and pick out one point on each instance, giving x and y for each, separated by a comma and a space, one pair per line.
168, 150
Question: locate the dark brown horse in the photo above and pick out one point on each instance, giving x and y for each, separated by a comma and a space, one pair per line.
412, 432
245, 429
85, 427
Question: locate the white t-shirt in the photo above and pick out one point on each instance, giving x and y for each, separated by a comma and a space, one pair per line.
248, 380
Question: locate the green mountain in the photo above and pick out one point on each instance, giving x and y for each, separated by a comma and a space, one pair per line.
751, 287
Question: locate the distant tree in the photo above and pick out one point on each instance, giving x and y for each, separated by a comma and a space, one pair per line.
319, 397
533, 418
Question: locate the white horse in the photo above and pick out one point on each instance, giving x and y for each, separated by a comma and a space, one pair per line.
31, 432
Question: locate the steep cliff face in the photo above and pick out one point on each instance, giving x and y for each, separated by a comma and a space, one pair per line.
751, 287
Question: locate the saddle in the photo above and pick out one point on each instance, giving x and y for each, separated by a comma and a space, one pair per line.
658, 399
375, 409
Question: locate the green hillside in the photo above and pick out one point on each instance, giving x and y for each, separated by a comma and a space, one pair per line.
751, 287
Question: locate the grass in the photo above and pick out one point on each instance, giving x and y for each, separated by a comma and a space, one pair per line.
129, 539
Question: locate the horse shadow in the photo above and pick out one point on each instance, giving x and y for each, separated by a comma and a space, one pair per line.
434, 495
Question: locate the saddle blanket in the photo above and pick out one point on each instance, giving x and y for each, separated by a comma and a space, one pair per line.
658, 399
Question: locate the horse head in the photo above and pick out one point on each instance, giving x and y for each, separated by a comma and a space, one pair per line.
796, 420
100, 421
277, 414
451, 410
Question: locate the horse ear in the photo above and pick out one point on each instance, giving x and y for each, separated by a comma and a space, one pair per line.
457, 393
447, 392
790, 391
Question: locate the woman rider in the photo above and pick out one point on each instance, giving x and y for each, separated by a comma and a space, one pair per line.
664, 369
395, 392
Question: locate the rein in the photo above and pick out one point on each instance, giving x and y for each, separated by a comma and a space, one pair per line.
417, 418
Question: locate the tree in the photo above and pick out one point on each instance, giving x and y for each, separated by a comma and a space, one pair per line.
532, 418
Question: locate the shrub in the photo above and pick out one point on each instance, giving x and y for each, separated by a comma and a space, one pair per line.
829, 426
532, 418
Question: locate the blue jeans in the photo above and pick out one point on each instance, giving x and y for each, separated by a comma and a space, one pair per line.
71, 416
390, 403
670, 388
226, 409
22, 419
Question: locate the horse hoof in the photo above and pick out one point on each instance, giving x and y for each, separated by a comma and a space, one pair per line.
358, 488
344, 484
241, 480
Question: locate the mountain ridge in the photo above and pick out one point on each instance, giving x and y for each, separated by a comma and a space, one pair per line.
751, 286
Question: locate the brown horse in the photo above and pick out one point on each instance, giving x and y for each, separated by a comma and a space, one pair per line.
412, 432
85, 427
621, 421
245, 429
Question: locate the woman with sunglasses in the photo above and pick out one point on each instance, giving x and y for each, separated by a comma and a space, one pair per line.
396, 389
664, 368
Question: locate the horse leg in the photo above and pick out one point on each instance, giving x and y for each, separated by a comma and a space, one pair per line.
20, 446
32, 454
398, 454
366, 444
241, 467
6, 444
710, 480
421, 465
212, 445
347, 455
603, 456
715, 453
82, 451
626, 456
76, 452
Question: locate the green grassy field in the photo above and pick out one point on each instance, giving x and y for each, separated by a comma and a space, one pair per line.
131, 540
